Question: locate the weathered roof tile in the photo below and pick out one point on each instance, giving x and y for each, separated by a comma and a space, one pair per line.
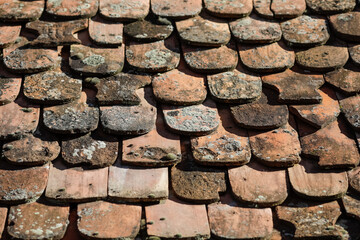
105, 33
71, 9
330, 6
346, 26
354, 179
352, 206
288, 8
229, 8
8, 34
9, 89
18, 10
262, 8
124, 10
345, 80
176, 9
350, 107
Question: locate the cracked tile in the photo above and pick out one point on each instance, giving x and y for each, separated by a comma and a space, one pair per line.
124, 10
72, 9
105, 33
229, 8
262, 8
350, 107
176, 9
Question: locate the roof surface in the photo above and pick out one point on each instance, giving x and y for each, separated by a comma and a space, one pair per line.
186, 119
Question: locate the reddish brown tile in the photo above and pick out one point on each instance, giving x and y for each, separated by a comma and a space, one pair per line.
295, 87
175, 219
60, 119
261, 114
107, 33
258, 185
178, 10
18, 10
8, 34
305, 31
192, 120
345, 80
123, 10
3, 216
72, 232
104, 220
22, 185
72, 9
354, 179
352, 206
262, 8
346, 25
354, 51
38, 221
330, 6
266, 58
90, 61
332, 145
313, 220
288, 8
229, 8
227, 146
9, 89
254, 29
350, 107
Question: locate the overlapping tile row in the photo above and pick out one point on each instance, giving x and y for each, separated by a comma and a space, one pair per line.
191, 119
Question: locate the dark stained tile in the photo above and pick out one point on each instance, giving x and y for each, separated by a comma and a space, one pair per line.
266, 58
72, 9
227, 146
91, 61
310, 182
262, 8
104, 220
8, 34
72, 232
38, 221
124, 10
354, 51
345, 80
9, 89
204, 31
346, 26
79, 116
354, 179
176, 9
306, 31
229, 8
352, 206
276, 148
192, 120
3, 217
105, 33
330, 6
18, 10
263, 113
288, 8
258, 185
350, 107
295, 87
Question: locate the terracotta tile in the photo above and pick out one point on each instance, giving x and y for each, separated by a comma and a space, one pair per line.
192, 120
72, 9
61, 119
160, 56
211, 60
276, 148
72, 232
346, 25
310, 182
106, 33
175, 219
345, 80
18, 10
258, 185
263, 113
254, 29
227, 146
354, 179
266, 58
19, 117
157, 148
330, 6
354, 51
178, 10
229, 8
332, 145
123, 10
9, 89
3, 216
352, 206
75, 184
130, 120
22, 185
8, 34
204, 31
306, 31
288, 8
350, 107
295, 87
104, 220
129, 184
262, 8
90, 61
323, 58
120, 89
319, 115
35, 149
95, 149
312, 220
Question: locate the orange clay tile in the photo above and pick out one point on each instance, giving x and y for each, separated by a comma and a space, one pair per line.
352, 206
9, 89
22, 185
312, 220
346, 26
254, 29
306, 31
8, 34
333, 145
75, 184
18, 10
72, 9
38, 221
104, 220
157, 148
266, 58
264, 113
276, 148
345, 80
3, 217
129, 184
262, 8
295, 87
204, 31
330, 6
160, 56
354, 51
288, 8
354, 179
176, 9
310, 182
175, 219
91, 61
124, 10
258, 185
106, 33
227, 146
350, 107
229, 8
